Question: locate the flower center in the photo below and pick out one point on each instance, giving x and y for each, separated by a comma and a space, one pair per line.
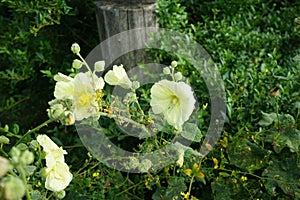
84, 100
175, 100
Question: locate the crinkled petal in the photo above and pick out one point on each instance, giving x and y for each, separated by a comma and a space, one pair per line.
48, 145
118, 76
58, 177
64, 90
61, 77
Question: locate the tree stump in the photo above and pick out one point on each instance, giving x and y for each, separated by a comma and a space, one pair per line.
116, 16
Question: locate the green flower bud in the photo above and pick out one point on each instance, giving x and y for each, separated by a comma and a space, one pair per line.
22, 147
33, 145
13, 188
99, 66
178, 76
4, 165
69, 118
60, 194
15, 155
174, 64
26, 158
4, 140
77, 64
75, 48
55, 111
166, 70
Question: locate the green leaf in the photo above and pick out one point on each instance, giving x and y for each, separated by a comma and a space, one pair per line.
4, 140
286, 137
175, 186
221, 192
297, 58
16, 128
246, 155
297, 104
36, 195
284, 172
267, 119
191, 132
30, 170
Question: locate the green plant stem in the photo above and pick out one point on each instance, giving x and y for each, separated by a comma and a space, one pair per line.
2, 151
172, 73
190, 186
84, 62
34, 130
139, 106
277, 111
129, 188
23, 176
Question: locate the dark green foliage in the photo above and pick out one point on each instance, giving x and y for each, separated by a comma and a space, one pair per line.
253, 44
35, 37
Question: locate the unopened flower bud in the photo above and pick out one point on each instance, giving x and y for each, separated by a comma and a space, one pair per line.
174, 64
178, 76
55, 111
33, 145
77, 64
60, 194
15, 155
13, 187
75, 48
70, 118
26, 158
4, 166
99, 66
166, 70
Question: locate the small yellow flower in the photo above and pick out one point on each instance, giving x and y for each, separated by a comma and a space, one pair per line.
244, 178
38, 184
266, 71
195, 171
95, 174
188, 172
185, 195
216, 162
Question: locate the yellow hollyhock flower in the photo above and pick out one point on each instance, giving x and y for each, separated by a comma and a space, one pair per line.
81, 90
53, 152
58, 177
84, 95
57, 171
174, 100
118, 76
64, 87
